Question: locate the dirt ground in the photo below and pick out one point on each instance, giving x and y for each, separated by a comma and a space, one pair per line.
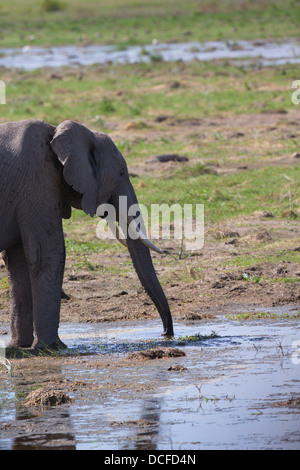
209, 287
200, 284
197, 287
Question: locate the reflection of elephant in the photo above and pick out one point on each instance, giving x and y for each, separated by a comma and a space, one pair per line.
43, 172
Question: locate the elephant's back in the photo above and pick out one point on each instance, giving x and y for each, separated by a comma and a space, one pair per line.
23, 143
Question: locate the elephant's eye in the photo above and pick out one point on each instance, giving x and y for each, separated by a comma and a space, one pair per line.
122, 173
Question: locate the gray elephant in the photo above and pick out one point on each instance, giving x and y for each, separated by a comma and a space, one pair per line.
43, 172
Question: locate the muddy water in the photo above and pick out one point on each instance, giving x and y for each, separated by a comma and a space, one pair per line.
226, 397
266, 53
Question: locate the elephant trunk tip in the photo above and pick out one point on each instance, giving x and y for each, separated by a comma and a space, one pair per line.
168, 330
168, 335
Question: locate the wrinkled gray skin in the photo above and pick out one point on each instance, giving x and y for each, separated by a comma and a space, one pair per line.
43, 172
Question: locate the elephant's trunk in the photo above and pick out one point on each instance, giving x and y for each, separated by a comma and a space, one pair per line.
142, 262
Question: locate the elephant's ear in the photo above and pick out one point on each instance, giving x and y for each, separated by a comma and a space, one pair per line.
74, 146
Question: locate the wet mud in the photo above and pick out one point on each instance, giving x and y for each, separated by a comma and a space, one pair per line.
218, 384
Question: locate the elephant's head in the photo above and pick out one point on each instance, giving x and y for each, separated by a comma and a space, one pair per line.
95, 168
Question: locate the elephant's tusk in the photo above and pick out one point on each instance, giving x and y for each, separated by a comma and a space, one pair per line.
121, 240
142, 236
115, 230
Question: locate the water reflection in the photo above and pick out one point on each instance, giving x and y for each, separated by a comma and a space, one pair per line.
120, 404
39, 428
55, 441
147, 439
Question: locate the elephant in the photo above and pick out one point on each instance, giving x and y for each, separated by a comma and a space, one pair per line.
45, 171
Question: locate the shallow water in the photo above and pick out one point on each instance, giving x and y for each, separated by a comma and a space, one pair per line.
244, 52
223, 400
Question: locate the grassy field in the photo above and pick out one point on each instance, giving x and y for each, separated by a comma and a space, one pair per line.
123, 22
237, 126
156, 109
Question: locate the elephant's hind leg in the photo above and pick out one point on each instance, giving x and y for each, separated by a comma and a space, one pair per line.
21, 317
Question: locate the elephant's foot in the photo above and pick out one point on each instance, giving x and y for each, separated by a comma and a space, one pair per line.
47, 345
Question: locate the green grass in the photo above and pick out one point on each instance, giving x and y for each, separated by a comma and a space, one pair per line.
197, 337
106, 97
261, 279
264, 315
270, 256
137, 92
123, 22
4, 283
75, 246
288, 280
226, 196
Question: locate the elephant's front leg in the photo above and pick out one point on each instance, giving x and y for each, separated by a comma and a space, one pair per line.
45, 256
20, 293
